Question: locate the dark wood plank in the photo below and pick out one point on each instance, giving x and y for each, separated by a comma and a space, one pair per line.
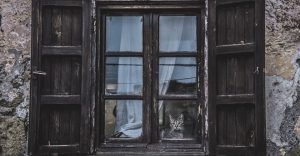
221, 75
56, 26
230, 24
56, 74
249, 70
260, 128
178, 97
47, 25
249, 23
66, 38
212, 77
251, 126
231, 74
240, 24
62, 122
221, 126
44, 126
147, 80
46, 149
201, 125
60, 99
63, 75
149, 6
235, 99
177, 54
235, 150
86, 100
236, 48
64, 128
53, 126
188, 1
74, 133
155, 115
227, 2
119, 152
241, 123
34, 109
75, 75
240, 75
61, 3
66, 69
221, 26
77, 26
124, 54
45, 80
231, 125
61, 50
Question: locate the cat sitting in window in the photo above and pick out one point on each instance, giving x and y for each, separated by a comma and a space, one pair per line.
175, 131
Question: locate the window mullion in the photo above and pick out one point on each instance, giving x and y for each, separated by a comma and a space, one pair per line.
147, 51
155, 43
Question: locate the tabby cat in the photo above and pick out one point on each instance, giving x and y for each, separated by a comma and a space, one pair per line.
175, 131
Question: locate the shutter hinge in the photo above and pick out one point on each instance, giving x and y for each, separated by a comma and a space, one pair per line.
93, 27
256, 71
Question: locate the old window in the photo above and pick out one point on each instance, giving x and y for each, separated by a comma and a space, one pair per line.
135, 81
151, 86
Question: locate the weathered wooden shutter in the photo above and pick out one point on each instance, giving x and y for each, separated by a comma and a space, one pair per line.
61, 77
236, 62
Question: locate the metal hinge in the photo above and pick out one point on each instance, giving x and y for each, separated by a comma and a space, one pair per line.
256, 71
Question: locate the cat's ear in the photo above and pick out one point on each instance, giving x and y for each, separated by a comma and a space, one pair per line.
181, 117
171, 118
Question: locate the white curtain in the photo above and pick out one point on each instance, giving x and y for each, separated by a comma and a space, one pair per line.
129, 114
170, 37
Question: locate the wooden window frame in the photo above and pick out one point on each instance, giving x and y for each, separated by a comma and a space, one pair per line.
89, 137
149, 141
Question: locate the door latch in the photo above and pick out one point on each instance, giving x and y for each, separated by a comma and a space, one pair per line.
37, 73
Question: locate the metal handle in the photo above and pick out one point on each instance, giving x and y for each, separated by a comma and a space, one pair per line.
39, 73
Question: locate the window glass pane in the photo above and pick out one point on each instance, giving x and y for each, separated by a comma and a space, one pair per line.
124, 76
123, 118
177, 75
177, 33
124, 33
178, 119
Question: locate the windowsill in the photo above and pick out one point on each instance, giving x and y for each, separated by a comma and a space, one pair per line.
148, 153
152, 149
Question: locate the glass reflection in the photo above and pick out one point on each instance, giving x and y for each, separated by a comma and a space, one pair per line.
177, 33
123, 118
177, 75
124, 33
124, 76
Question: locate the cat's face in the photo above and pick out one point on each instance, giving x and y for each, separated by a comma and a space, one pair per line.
177, 124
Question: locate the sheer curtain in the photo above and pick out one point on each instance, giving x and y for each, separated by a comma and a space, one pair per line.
129, 114
170, 39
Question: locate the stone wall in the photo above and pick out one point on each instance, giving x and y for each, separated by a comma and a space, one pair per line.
15, 45
282, 76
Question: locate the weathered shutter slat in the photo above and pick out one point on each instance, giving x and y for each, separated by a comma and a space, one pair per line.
63, 120
234, 53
